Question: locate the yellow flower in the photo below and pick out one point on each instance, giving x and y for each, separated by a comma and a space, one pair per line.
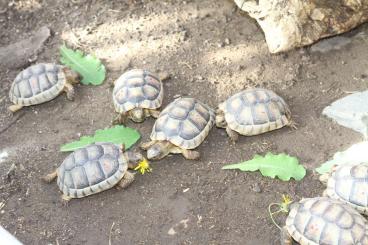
286, 201
143, 166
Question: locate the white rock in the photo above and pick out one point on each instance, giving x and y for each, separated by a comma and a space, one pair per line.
351, 112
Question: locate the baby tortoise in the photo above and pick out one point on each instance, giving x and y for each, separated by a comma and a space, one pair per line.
41, 83
348, 183
181, 126
94, 168
253, 111
138, 94
322, 220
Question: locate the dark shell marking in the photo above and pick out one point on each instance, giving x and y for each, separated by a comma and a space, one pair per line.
255, 111
137, 88
185, 122
322, 220
91, 169
349, 183
37, 84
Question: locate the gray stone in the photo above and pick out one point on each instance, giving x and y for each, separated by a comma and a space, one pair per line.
351, 112
329, 44
17, 55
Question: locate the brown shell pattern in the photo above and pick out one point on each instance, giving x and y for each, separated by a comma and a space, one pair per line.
37, 84
137, 88
349, 183
91, 169
255, 111
185, 122
322, 220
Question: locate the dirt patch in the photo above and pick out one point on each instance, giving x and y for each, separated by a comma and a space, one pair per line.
211, 50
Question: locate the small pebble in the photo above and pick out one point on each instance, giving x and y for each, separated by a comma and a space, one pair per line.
256, 188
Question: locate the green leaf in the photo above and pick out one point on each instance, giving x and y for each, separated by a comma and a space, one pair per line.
281, 165
118, 135
90, 68
356, 153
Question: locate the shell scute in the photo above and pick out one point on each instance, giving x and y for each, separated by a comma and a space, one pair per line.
349, 183
322, 220
189, 130
95, 173
137, 88
80, 156
37, 84
185, 122
95, 152
79, 177
109, 165
179, 113
255, 111
91, 169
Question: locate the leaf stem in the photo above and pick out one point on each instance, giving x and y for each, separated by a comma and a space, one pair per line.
272, 213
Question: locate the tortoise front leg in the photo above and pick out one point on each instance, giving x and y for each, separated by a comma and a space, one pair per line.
190, 154
126, 180
153, 113
286, 239
232, 134
50, 177
119, 119
69, 90
146, 145
14, 108
65, 200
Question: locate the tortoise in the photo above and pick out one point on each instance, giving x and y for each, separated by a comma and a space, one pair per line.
348, 183
138, 94
252, 112
41, 83
181, 127
94, 168
322, 220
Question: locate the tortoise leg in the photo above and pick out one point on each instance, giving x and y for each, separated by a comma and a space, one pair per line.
69, 90
324, 178
293, 125
146, 145
286, 239
163, 76
50, 177
154, 113
190, 154
65, 200
14, 108
232, 134
126, 180
120, 119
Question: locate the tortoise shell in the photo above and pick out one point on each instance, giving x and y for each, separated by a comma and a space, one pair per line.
92, 169
37, 84
185, 122
137, 88
255, 111
322, 220
349, 183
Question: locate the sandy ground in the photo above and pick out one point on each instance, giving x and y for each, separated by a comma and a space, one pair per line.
211, 50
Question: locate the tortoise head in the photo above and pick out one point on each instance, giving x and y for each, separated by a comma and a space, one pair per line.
220, 119
326, 176
137, 115
71, 76
158, 150
134, 158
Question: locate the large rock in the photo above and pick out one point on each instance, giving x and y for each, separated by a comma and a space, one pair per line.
289, 24
351, 112
17, 55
